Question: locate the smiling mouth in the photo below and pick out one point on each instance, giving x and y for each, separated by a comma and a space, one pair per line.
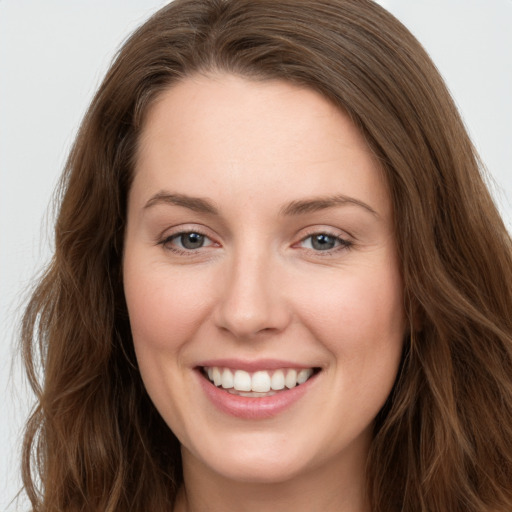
261, 383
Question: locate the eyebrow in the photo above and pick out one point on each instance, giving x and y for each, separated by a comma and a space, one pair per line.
195, 204
294, 208
315, 204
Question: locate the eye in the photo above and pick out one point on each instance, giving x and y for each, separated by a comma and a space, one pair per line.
187, 241
323, 242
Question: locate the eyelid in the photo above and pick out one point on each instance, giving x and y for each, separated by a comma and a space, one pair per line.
178, 229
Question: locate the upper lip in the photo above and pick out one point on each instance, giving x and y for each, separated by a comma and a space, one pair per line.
253, 365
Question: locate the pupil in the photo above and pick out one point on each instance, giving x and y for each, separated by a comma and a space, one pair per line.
322, 242
192, 240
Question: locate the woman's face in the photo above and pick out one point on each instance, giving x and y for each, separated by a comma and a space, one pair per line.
260, 250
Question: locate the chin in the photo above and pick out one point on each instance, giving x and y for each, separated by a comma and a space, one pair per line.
259, 471
255, 462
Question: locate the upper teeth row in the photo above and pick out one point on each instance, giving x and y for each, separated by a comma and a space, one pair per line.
260, 381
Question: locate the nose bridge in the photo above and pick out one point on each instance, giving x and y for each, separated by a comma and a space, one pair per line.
251, 301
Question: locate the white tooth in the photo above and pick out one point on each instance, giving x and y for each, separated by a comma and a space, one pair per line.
277, 381
261, 382
227, 378
210, 373
304, 375
291, 379
242, 381
217, 377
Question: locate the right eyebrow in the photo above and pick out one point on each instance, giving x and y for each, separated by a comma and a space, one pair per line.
196, 204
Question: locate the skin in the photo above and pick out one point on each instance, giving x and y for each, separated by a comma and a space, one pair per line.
258, 288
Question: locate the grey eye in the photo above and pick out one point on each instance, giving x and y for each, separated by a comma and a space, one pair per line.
322, 242
190, 240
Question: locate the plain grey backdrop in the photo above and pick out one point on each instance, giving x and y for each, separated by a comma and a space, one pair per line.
53, 55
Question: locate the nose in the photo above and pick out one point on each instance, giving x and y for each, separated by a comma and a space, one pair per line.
252, 298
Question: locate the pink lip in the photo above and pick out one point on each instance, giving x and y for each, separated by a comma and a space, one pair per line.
253, 408
251, 366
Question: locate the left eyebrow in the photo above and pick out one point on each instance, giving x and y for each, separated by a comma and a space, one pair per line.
315, 204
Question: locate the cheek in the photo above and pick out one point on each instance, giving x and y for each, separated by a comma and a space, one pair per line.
164, 308
359, 318
164, 311
358, 305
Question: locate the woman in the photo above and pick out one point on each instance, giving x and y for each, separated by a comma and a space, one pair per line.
279, 280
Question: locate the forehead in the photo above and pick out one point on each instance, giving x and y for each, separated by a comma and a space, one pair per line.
228, 134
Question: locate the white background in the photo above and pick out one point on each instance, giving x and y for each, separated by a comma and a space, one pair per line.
53, 54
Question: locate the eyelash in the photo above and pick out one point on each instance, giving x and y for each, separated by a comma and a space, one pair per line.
342, 244
165, 243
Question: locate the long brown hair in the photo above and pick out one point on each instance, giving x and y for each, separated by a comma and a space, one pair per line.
443, 441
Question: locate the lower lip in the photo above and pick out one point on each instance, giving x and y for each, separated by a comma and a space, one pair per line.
254, 408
